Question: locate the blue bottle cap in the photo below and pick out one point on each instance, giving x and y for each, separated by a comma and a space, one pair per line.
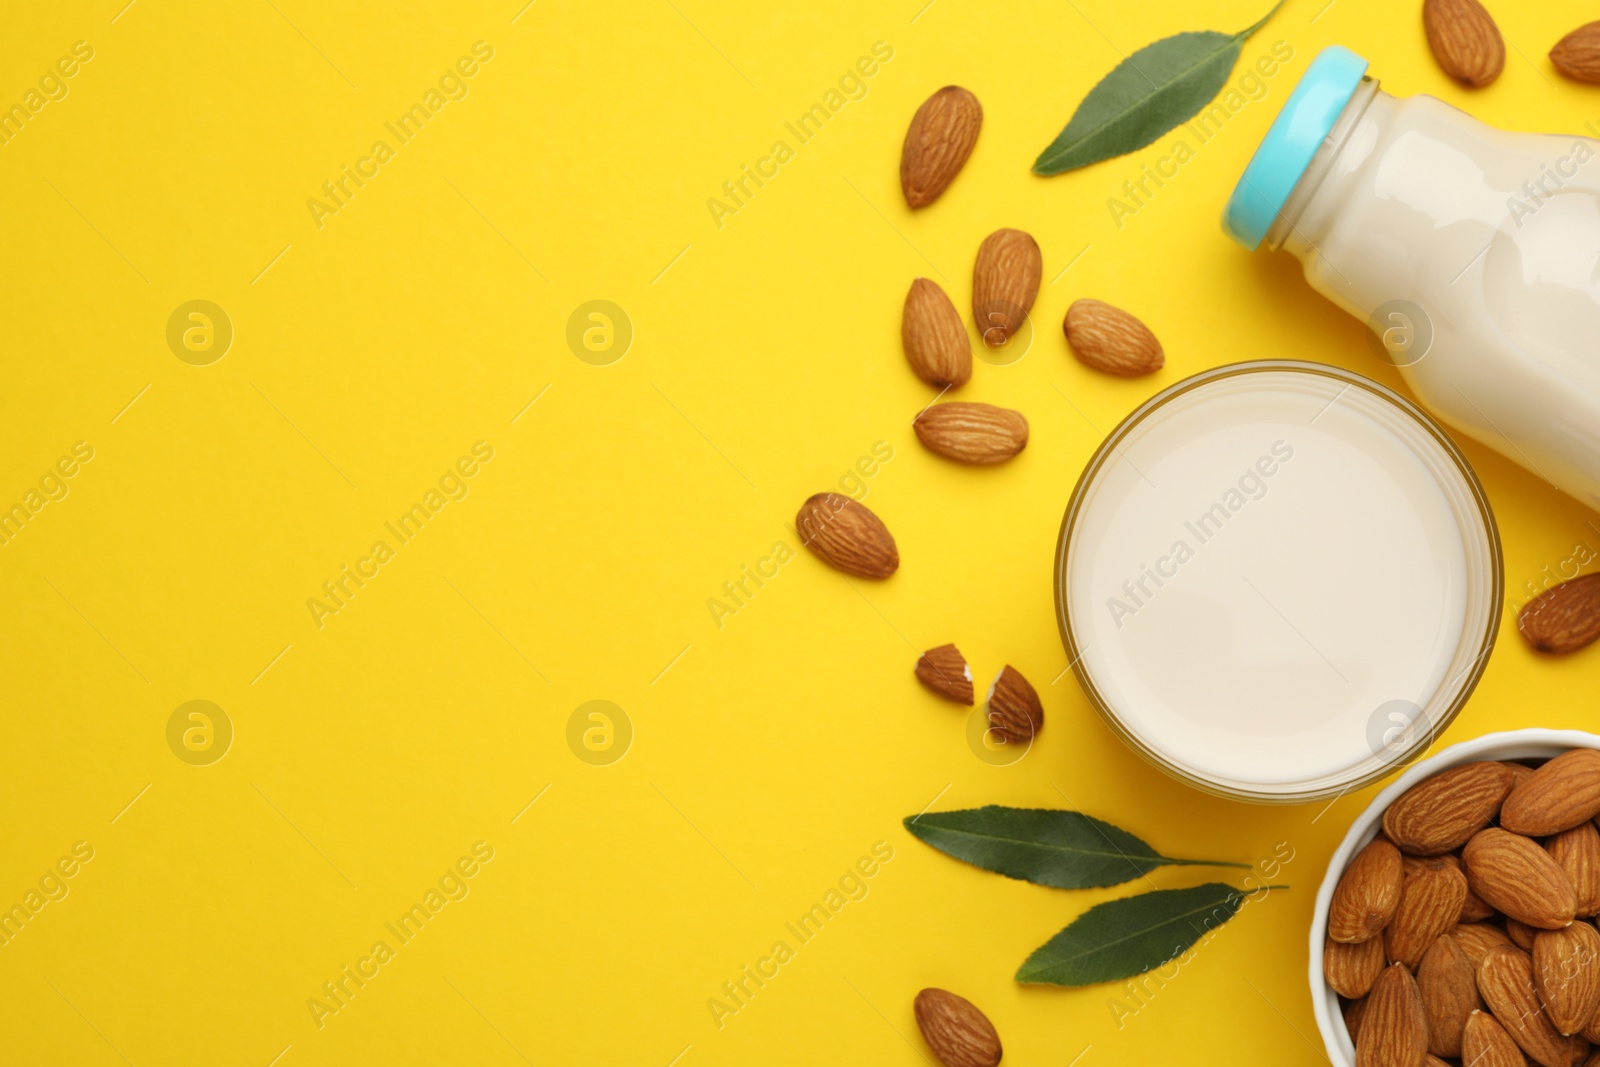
1285, 153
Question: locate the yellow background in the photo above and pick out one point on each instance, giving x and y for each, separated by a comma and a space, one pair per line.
768, 754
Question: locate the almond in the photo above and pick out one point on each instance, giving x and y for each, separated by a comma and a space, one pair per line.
1005, 281
1591, 1031
1367, 894
1473, 908
1559, 795
1353, 1011
847, 536
1448, 982
937, 145
1485, 1043
1111, 340
1478, 939
1409, 864
1577, 55
934, 337
1566, 972
1505, 980
972, 433
1351, 969
1464, 40
1564, 617
1520, 772
1440, 814
1430, 905
959, 1034
1521, 934
945, 671
1394, 1028
1015, 713
1519, 878
1577, 852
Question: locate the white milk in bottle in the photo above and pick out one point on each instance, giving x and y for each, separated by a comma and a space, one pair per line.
1473, 253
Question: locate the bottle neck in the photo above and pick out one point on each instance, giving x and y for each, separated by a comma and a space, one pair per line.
1305, 214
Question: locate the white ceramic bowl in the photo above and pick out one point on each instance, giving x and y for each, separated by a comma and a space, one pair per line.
1511, 745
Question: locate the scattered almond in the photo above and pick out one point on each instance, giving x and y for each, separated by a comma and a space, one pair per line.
941, 137
1448, 982
1015, 713
959, 1034
1577, 55
934, 337
1111, 340
972, 433
1566, 973
1464, 40
1564, 617
1505, 980
1441, 813
1559, 795
1485, 1043
1394, 1028
1351, 969
1005, 281
845, 535
945, 671
1577, 852
1519, 878
1430, 905
1478, 939
1368, 893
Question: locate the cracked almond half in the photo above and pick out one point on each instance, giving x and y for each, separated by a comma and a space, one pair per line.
1015, 713
945, 671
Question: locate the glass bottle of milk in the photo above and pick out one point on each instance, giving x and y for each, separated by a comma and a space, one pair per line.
1471, 252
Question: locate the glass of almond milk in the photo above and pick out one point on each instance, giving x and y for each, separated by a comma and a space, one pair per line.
1278, 581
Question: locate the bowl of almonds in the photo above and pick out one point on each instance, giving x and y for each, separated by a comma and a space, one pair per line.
1456, 922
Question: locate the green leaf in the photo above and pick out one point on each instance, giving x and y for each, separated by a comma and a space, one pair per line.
1122, 938
1159, 87
1064, 849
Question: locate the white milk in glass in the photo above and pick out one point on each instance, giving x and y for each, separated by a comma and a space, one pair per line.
1271, 572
